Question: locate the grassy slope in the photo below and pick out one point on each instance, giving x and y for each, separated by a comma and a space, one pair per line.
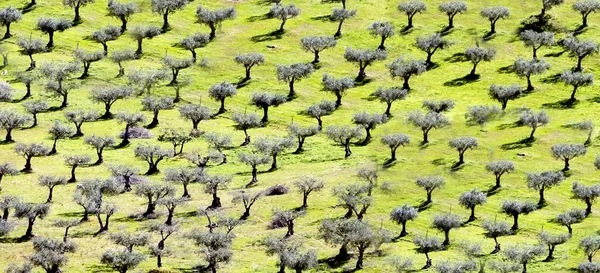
322, 158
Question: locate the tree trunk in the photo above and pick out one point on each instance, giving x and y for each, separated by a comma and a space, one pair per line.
281, 267
461, 157
338, 33
450, 21
169, 217
535, 53
349, 213
246, 139
320, 123
158, 260
382, 44
529, 85
532, 132
50, 40
446, 238
425, 136
359, 262
347, 149
573, 93
149, 208
154, 122
588, 209
304, 200
152, 169
338, 100
222, 108
566, 168
274, 163
216, 201
492, 26
105, 47
254, 174
139, 50
123, 24
77, 18
300, 144
403, 232
29, 232
550, 256
265, 117
121, 71
49, 199
8, 137
66, 236
213, 30
7, 33
27, 165
125, 140
246, 214
472, 74
73, 178
292, 92
65, 102
342, 253
165, 25
498, 181
524, 267
579, 59
428, 197
316, 59
281, 26
186, 194
28, 90
584, 20
247, 78
290, 229
515, 222
497, 246
428, 263
100, 158
410, 21
107, 114
85, 217
472, 216
361, 73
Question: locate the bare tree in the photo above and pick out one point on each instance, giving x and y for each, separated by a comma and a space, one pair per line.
67, 225
177, 138
130, 120
176, 65
185, 177
165, 231
247, 199
590, 246
125, 174
214, 183
218, 142
214, 18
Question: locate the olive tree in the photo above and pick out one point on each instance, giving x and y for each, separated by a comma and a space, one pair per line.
481, 114
247, 199
194, 41
106, 34
403, 214
75, 161
59, 75
79, 117
427, 245
470, 200
183, 176
438, 106
462, 144
301, 133
176, 65
152, 154
254, 160
343, 134
120, 56
389, 95
27, 78
122, 260
587, 194
283, 13
544, 181
406, 67
306, 185
381, 29
153, 192
201, 159
7, 169
431, 44
67, 225
499, 168
340, 16
216, 247
214, 18
586, 7
244, 122
141, 32
195, 113
212, 185
50, 182
87, 58
515, 208
108, 96
523, 254
31, 212
580, 49
76, 5
451, 9
31, 46
290, 74
167, 7
411, 8
155, 104
58, 131
368, 122
546, 6
524, 68
126, 175
316, 44
570, 217
478, 54
363, 58
130, 120
336, 86
534, 120
6, 92
122, 11
50, 26
446, 222
426, 122
495, 229
273, 147
10, 120
8, 16
320, 109
576, 79
145, 80
394, 141
165, 231
50, 254
456, 267
590, 246
265, 101
29, 151
566, 152
537, 40
494, 14
430, 183
504, 93
249, 60
99, 143
218, 142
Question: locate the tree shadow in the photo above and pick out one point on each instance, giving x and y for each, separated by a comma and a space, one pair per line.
462, 80
561, 104
523, 143
457, 166
595, 99
335, 262
363, 82
6, 142
424, 206
446, 30
322, 18
505, 69
406, 30
492, 191
579, 30
273, 35
389, 163
556, 54
537, 24
432, 66
439, 162
28, 8
243, 82
255, 18
489, 36
457, 57
267, 2
14, 240
552, 78
510, 125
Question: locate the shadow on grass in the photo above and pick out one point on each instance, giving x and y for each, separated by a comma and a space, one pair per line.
457, 57
579, 30
556, 54
243, 82
14, 240
537, 24
334, 262
28, 8
187, 214
492, 190
363, 82
505, 69
267, 2
95, 268
389, 163
255, 18
447, 30
457, 166
561, 104
462, 80
424, 206
432, 66
523, 143
438, 162
510, 125
406, 30
489, 36
322, 18
595, 99
552, 78
273, 35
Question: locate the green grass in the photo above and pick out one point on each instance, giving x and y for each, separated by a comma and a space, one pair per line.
322, 158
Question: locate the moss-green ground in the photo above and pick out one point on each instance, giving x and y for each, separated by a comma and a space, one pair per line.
322, 158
